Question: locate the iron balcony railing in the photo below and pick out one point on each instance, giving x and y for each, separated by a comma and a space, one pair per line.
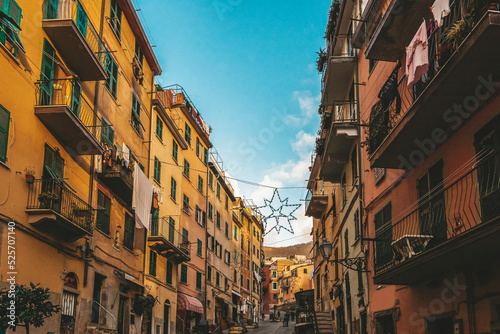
74, 10
68, 92
405, 98
52, 194
318, 189
444, 213
165, 227
345, 112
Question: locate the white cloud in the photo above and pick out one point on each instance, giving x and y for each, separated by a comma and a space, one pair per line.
308, 105
304, 143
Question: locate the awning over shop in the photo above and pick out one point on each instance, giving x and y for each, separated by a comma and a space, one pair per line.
188, 303
236, 293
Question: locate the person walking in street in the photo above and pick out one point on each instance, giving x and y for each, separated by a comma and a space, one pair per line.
286, 318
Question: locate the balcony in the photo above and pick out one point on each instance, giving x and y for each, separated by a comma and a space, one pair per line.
316, 200
430, 104
337, 73
67, 114
339, 141
56, 210
118, 178
392, 26
75, 38
453, 226
167, 241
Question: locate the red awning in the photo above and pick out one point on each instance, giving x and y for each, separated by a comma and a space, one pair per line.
188, 303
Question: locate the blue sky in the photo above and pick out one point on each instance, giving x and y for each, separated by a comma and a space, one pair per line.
249, 67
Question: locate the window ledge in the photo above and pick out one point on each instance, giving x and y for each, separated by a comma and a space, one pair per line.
103, 233
4, 165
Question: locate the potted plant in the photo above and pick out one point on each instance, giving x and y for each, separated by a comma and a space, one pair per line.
29, 174
321, 59
47, 198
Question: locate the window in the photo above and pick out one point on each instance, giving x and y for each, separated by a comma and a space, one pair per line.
383, 232
253, 249
235, 232
185, 236
185, 203
211, 180
205, 156
217, 278
115, 19
107, 134
218, 219
53, 164
159, 127
210, 211
197, 214
173, 188
346, 242
175, 150
226, 231
152, 263
128, 237
235, 277
248, 247
305, 270
169, 272
218, 190
111, 83
248, 264
248, 284
139, 55
199, 248
357, 225
241, 280
209, 274
275, 286
157, 170
184, 273
227, 257
360, 280
96, 297
235, 255
227, 203
103, 213
186, 168
274, 274
187, 134
197, 147
136, 113
12, 10
198, 280
275, 296
200, 184
344, 190
354, 165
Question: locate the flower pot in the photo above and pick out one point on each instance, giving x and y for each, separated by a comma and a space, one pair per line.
30, 178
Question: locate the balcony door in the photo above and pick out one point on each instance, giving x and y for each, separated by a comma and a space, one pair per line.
432, 211
47, 74
489, 174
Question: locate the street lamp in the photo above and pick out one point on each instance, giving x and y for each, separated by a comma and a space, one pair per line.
355, 263
325, 249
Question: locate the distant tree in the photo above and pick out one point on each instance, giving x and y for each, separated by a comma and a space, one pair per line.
26, 306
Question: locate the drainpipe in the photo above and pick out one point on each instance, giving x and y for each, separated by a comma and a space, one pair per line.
209, 153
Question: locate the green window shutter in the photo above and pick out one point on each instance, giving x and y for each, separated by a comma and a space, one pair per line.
138, 54
209, 274
205, 155
4, 132
199, 248
53, 164
159, 127
112, 72
136, 112
157, 170
218, 219
210, 180
152, 263
197, 214
186, 168
169, 272
107, 134
76, 98
235, 233
173, 188
184, 273
175, 149
50, 11
197, 146
128, 238
187, 134
104, 213
155, 222
198, 280
185, 236
200, 183
81, 19
171, 229
12, 10
116, 18
47, 73
217, 278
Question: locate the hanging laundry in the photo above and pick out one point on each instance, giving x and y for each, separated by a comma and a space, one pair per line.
98, 163
142, 197
126, 155
440, 9
159, 192
417, 57
389, 91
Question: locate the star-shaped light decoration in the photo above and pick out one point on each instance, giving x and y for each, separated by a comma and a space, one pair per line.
280, 209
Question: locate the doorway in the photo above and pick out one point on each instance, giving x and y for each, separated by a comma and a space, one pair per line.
166, 317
